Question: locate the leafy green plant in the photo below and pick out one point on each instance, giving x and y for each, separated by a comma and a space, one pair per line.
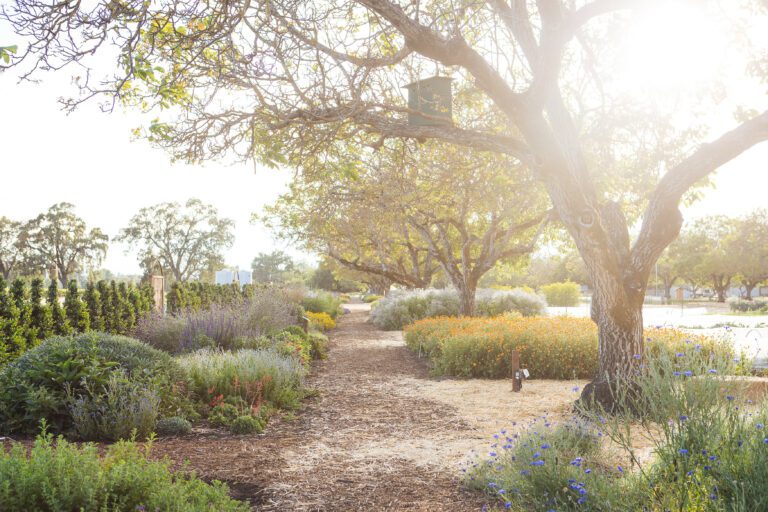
566, 294
43, 383
75, 311
58, 317
40, 321
247, 425
117, 410
173, 426
58, 476
253, 375
322, 302
12, 340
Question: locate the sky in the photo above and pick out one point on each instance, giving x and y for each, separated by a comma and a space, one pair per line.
88, 158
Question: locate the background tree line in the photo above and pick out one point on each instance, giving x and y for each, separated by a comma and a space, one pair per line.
718, 252
182, 242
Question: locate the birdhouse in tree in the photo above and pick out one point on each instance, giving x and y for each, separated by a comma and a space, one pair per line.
433, 98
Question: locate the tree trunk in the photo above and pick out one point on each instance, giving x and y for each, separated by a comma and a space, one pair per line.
720, 284
64, 278
668, 292
619, 319
749, 287
467, 298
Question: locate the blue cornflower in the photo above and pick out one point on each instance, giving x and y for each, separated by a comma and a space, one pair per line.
729, 398
688, 373
587, 471
525, 472
679, 354
492, 485
637, 356
683, 417
581, 500
682, 451
544, 446
502, 491
537, 463
713, 371
760, 426
575, 389
621, 470
676, 374
492, 454
765, 440
508, 505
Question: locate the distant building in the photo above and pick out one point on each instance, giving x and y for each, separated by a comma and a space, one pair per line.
245, 277
231, 276
227, 276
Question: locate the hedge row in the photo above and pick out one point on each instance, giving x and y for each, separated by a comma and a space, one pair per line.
29, 314
550, 348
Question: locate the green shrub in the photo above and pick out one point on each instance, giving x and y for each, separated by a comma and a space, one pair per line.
43, 383
119, 409
162, 332
253, 375
566, 294
550, 348
40, 321
12, 340
372, 298
552, 467
247, 425
59, 476
748, 306
92, 299
74, 309
223, 414
173, 426
319, 344
322, 302
401, 308
709, 445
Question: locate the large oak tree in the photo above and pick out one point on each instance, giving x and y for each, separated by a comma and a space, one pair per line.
284, 80
60, 239
185, 240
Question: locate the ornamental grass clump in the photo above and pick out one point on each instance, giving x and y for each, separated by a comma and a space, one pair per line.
253, 375
549, 347
400, 308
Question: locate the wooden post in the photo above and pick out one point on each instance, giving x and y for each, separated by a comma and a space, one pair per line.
158, 287
305, 323
517, 377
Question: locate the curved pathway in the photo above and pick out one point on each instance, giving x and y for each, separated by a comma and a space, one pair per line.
380, 434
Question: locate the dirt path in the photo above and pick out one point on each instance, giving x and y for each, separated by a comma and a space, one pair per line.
381, 435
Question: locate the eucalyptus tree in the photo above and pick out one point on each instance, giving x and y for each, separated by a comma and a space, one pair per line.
284, 80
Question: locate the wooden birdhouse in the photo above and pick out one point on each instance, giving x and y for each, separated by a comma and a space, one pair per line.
431, 97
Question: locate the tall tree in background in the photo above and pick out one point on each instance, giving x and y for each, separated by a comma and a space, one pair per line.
400, 213
533, 80
60, 239
10, 251
750, 250
271, 267
183, 239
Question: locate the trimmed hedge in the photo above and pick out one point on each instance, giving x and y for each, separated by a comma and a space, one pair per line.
550, 348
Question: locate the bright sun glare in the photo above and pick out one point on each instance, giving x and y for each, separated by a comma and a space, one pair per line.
672, 50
